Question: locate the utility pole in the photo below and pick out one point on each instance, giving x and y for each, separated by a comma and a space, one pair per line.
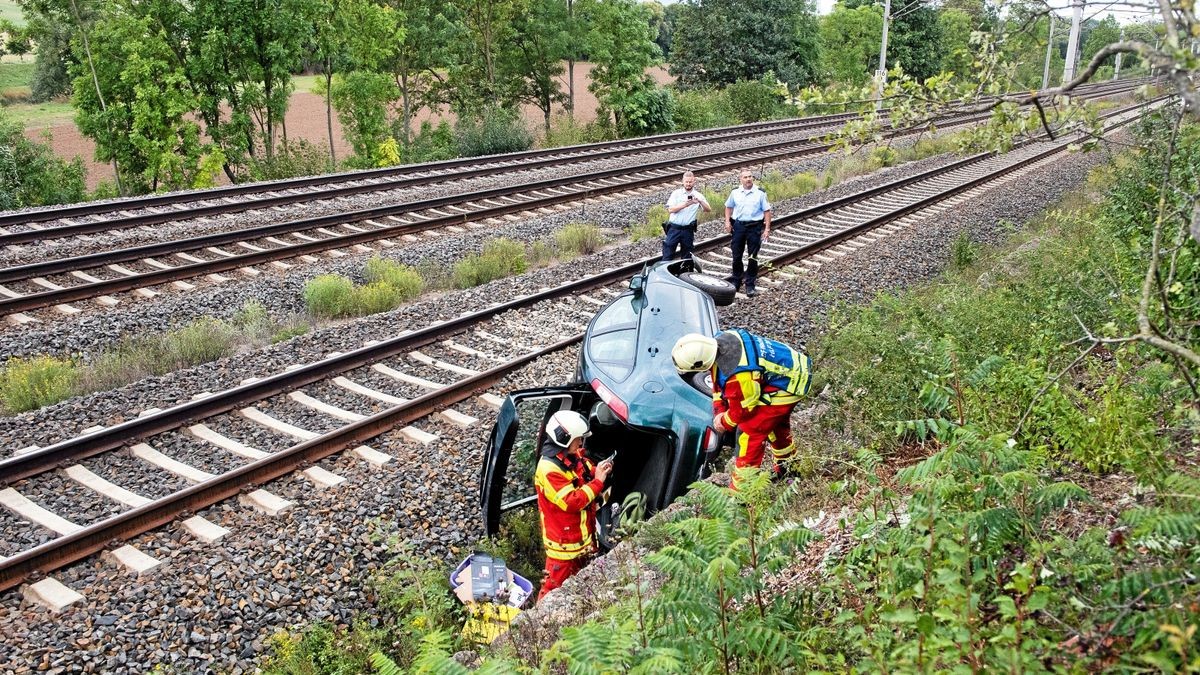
1117, 71
881, 76
1073, 42
1049, 46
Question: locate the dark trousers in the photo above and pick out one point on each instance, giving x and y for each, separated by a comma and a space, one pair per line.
681, 237
747, 236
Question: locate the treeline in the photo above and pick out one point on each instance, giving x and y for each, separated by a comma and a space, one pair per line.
176, 93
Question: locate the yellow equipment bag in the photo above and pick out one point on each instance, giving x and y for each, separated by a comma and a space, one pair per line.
487, 621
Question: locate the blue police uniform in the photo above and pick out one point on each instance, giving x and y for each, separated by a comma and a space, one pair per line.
749, 209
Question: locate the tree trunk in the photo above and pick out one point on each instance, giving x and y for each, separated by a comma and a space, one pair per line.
407, 109
329, 107
87, 48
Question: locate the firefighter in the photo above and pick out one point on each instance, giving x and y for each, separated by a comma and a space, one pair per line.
756, 383
568, 488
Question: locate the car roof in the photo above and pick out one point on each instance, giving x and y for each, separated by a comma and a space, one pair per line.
628, 344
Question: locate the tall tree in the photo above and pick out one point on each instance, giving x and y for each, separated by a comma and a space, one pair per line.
914, 37
956, 27
532, 59
621, 48
423, 54
474, 78
718, 42
135, 103
1101, 33
357, 35
850, 43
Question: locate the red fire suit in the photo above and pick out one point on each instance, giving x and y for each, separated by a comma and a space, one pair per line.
567, 495
756, 384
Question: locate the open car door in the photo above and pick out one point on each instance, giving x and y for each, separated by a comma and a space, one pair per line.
511, 456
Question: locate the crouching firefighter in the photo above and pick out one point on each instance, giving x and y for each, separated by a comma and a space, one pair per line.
568, 487
756, 384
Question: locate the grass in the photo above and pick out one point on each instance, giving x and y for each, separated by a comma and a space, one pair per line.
499, 258
42, 115
578, 239
12, 12
31, 383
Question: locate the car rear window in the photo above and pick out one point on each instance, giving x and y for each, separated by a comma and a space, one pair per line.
612, 340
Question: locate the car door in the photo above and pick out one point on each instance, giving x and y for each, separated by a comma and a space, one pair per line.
511, 455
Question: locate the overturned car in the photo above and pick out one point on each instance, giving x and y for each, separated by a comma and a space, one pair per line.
656, 422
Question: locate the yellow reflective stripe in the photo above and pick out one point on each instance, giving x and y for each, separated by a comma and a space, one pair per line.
558, 496
541, 480
590, 493
784, 453
743, 442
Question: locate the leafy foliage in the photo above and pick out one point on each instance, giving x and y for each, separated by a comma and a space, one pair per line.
772, 36
30, 174
29, 384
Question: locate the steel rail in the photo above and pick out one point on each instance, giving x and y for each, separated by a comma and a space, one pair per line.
482, 166
98, 536
178, 272
571, 151
335, 191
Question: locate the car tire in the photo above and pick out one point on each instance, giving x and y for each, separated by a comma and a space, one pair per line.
722, 292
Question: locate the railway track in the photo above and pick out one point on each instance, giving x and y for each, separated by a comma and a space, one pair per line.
54, 284
399, 383
77, 219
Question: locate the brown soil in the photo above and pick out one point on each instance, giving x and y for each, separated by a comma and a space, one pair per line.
306, 120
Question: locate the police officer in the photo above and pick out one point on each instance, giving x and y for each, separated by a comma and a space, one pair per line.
568, 486
684, 204
748, 218
756, 384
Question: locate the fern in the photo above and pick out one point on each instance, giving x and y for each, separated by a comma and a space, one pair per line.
434, 658
1057, 496
996, 526
384, 665
984, 370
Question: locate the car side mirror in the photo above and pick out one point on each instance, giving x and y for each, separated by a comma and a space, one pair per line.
637, 283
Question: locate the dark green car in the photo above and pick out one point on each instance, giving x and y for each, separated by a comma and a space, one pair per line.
638, 407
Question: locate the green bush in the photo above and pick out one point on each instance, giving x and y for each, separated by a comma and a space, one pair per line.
375, 298
564, 130
405, 280
578, 239
648, 110
29, 384
429, 145
702, 109
885, 156
201, 341
540, 254
500, 258
752, 101
492, 131
30, 173
963, 251
329, 296
292, 159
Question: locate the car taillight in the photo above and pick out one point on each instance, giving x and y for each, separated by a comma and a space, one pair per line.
712, 440
615, 404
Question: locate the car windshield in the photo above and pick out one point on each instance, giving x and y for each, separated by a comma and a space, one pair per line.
612, 340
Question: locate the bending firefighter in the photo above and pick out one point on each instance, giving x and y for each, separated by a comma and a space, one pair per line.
756, 384
567, 485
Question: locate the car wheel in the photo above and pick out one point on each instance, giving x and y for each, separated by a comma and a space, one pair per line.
722, 292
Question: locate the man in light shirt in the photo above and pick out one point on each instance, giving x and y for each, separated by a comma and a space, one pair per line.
748, 218
683, 205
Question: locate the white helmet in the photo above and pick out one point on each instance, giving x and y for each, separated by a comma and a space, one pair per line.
694, 352
565, 426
